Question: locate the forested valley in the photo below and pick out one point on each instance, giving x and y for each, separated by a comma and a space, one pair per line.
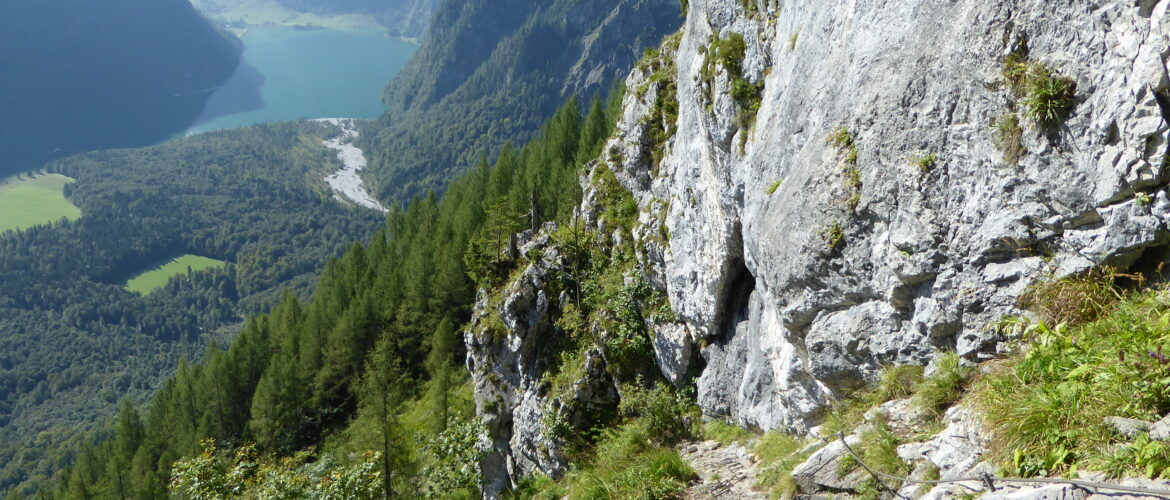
73, 340
491, 71
358, 390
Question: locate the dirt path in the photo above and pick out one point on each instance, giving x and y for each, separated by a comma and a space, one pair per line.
346, 183
725, 472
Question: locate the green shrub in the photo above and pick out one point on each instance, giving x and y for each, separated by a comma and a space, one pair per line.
667, 414
774, 186
792, 41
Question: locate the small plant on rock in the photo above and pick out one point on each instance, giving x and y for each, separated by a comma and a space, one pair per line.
833, 236
1047, 96
925, 162
1009, 138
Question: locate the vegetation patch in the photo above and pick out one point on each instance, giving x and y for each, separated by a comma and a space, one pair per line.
944, 387
663, 116
774, 186
1009, 138
635, 459
153, 279
833, 236
1075, 300
729, 53
1045, 406
778, 454
878, 448
32, 199
1047, 96
725, 433
924, 162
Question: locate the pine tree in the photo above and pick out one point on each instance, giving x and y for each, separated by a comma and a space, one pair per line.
383, 392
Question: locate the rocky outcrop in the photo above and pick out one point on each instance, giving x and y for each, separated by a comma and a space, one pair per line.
512, 345
801, 266
797, 266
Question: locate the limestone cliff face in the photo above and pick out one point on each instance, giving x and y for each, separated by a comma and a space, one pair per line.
797, 267
926, 258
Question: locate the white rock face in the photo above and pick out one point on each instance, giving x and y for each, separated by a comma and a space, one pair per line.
929, 258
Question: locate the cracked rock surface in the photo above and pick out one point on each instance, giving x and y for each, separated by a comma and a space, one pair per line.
929, 257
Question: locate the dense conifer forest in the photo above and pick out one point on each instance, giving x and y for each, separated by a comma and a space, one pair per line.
363, 376
73, 340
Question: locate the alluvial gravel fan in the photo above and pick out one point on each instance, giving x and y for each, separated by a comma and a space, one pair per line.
825, 188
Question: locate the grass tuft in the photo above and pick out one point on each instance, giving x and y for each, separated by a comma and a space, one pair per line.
1075, 300
925, 162
878, 448
1047, 96
774, 186
833, 236
944, 387
1009, 138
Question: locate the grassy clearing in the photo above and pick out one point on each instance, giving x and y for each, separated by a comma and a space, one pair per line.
1047, 403
148, 281
29, 201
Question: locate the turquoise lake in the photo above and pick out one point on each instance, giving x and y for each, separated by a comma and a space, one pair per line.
289, 74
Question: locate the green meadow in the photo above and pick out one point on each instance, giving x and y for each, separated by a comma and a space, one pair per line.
34, 199
150, 280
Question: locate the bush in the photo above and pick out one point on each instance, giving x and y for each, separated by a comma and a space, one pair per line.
667, 414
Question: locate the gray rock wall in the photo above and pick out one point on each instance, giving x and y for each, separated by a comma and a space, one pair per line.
777, 320
930, 257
